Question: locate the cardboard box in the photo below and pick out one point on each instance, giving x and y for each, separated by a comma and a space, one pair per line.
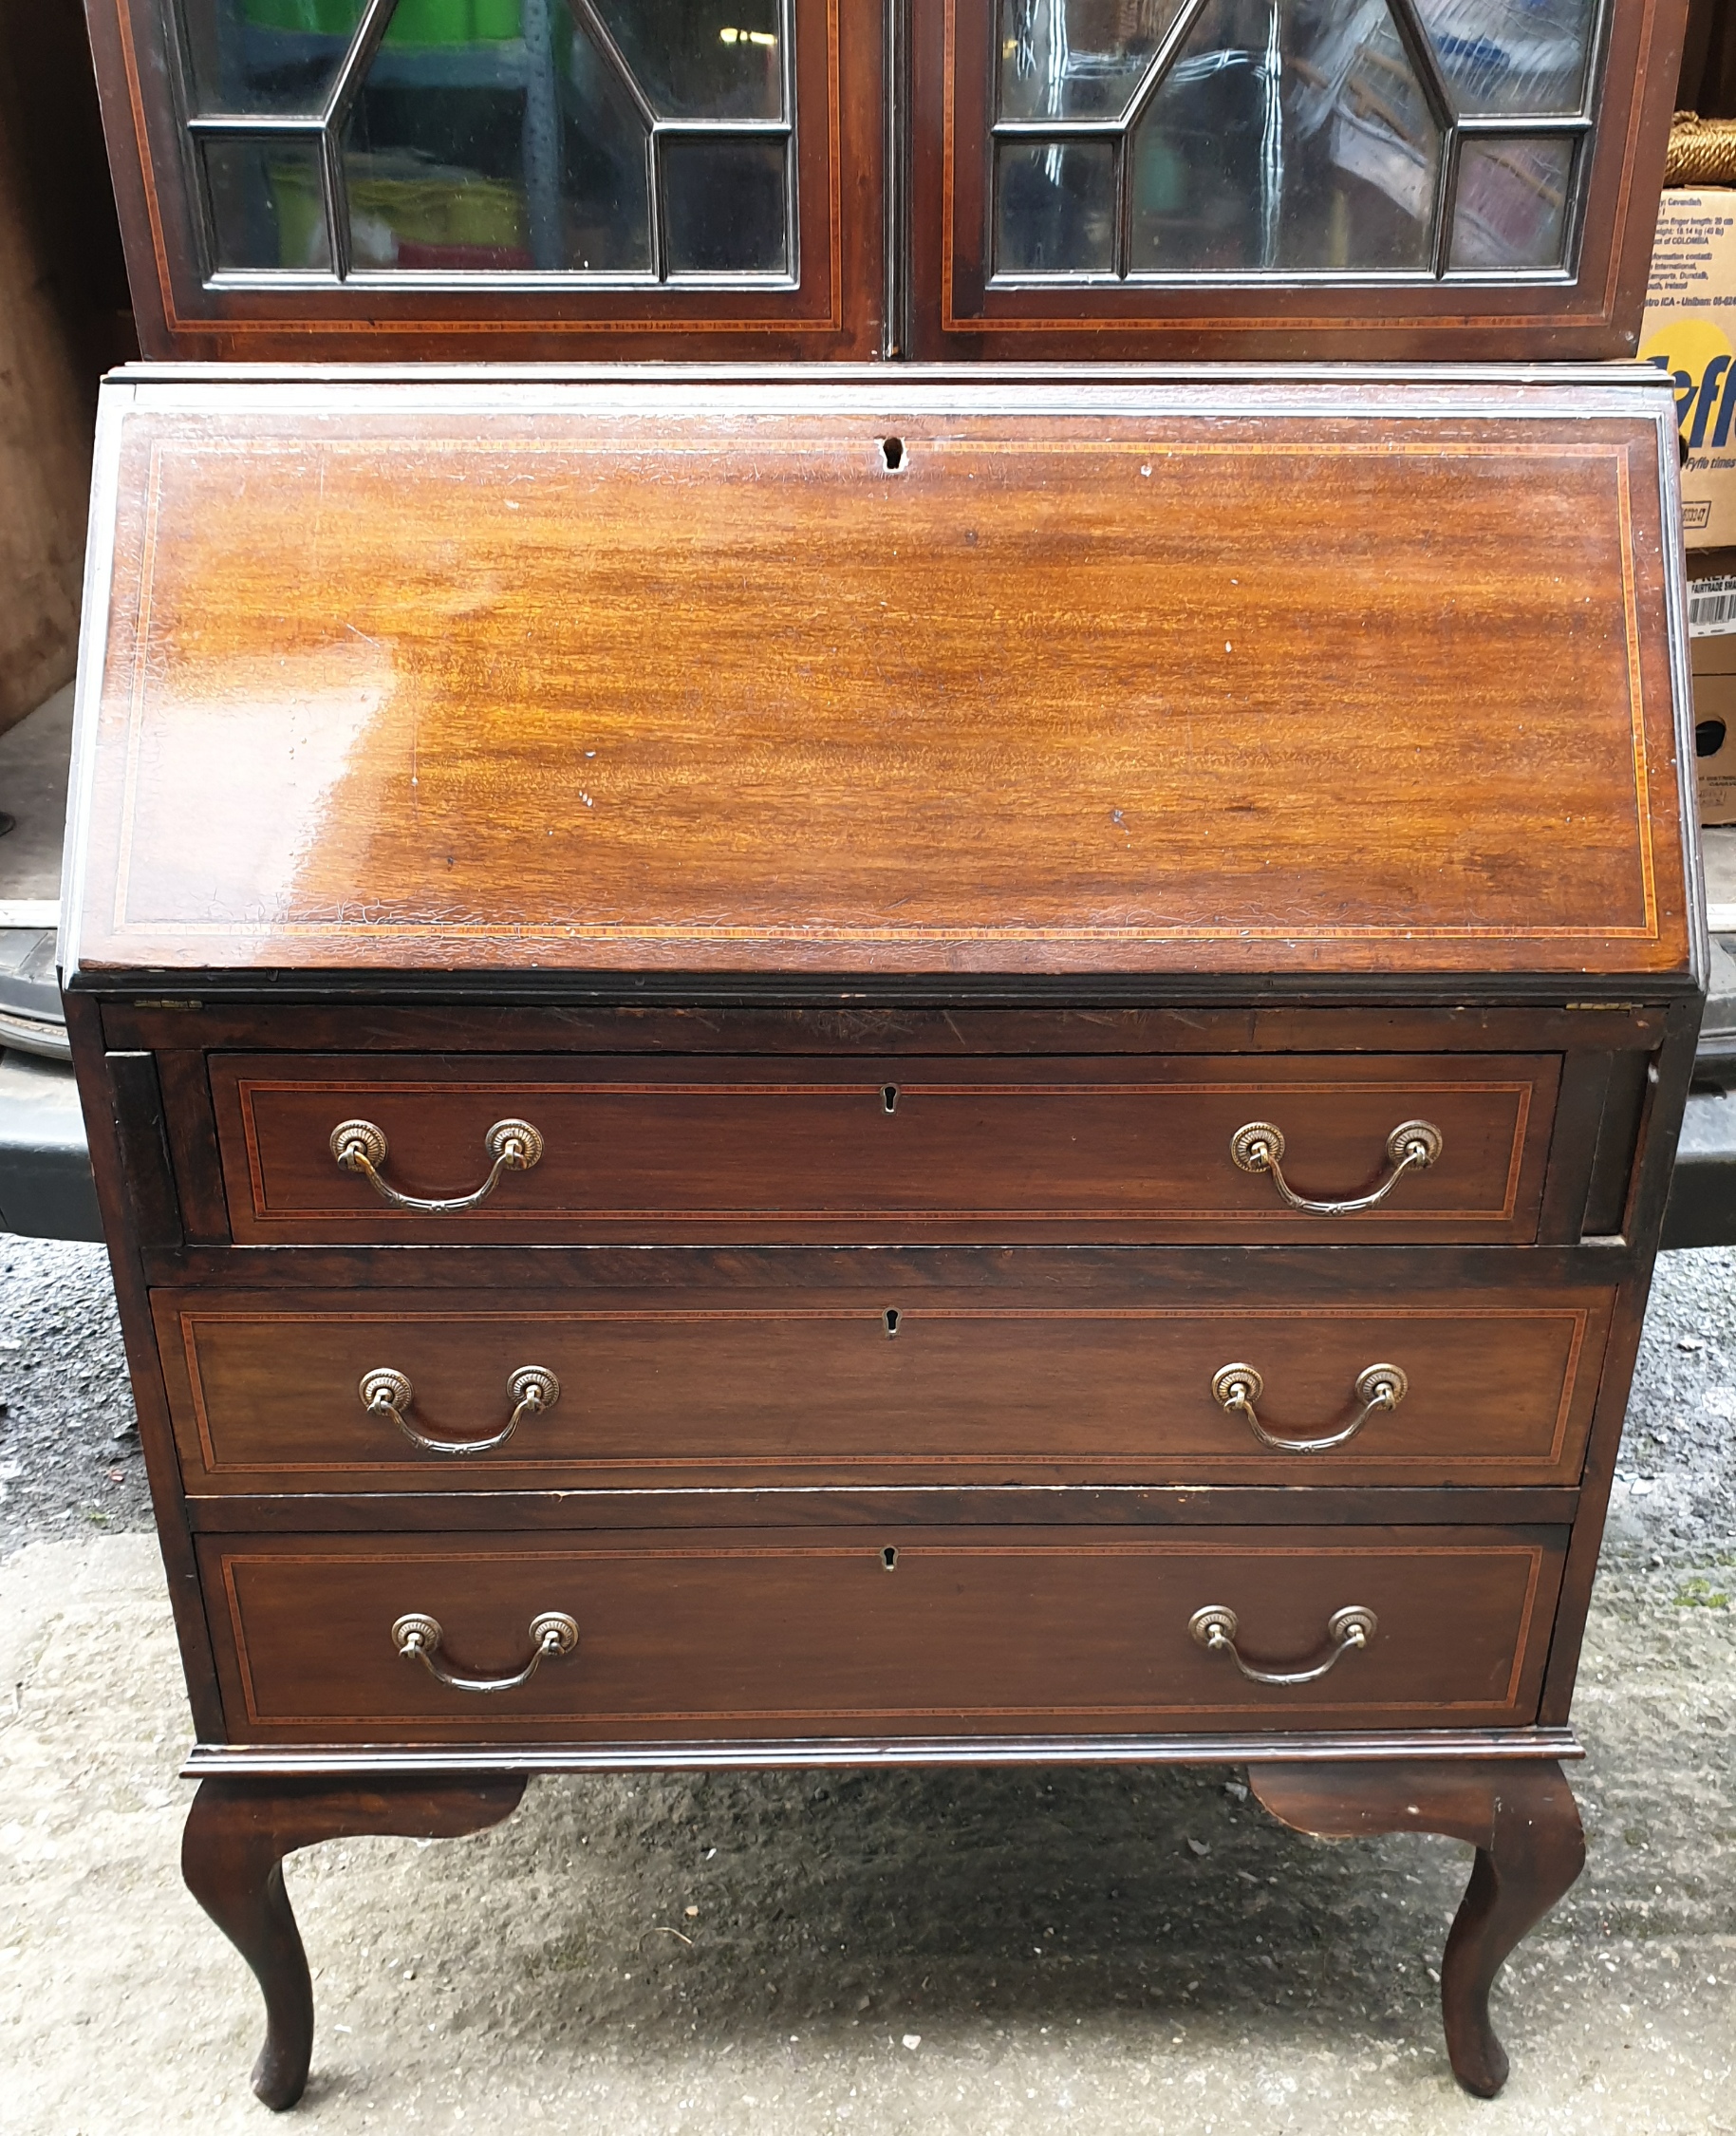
1714, 665
1690, 319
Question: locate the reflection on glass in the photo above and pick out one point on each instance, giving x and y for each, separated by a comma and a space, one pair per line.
266, 55
1054, 207
266, 208
435, 151
1512, 201
1077, 58
1285, 136
493, 136
701, 59
501, 136
604, 174
723, 206
1511, 55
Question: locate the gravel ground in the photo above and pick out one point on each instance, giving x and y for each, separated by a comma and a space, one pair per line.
70, 1456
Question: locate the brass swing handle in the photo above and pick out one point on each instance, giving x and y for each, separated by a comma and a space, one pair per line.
1237, 1387
1413, 1146
418, 1638
360, 1146
387, 1393
1213, 1628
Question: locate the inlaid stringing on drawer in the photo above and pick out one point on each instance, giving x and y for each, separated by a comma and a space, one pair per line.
1491, 1387
1129, 1150
906, 1631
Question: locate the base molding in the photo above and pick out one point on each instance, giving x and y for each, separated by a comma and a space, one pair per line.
345, 1761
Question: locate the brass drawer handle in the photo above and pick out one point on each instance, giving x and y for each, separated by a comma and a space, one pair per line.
360, 1146
1413, 1146
1213, 1628
531, 1389
1237, 1387
418, 1638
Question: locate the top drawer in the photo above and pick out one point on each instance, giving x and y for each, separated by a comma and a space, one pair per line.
805, 1151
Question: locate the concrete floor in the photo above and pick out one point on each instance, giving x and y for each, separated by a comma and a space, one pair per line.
33, 757
959, 1953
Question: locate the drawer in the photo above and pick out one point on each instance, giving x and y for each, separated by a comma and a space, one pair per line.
803, 1150
1494, 1386
763, 1634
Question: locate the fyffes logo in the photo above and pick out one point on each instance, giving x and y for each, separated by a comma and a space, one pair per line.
1701, 363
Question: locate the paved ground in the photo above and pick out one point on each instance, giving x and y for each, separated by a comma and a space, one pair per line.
967, 1953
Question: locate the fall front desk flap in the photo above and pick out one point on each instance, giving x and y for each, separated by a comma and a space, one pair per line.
880, 674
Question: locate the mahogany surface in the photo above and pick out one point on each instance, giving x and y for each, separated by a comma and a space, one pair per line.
891, 1385
743, 1632
710, 689
1522, 1821
231, 1858
968, 848
1121, 1152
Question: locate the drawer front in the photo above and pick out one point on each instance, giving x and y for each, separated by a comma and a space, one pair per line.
792, 1633
274, 1393
805, 1151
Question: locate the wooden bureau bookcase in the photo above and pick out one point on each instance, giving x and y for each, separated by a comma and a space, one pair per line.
866, 1068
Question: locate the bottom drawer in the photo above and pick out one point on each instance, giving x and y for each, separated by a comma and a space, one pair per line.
793, 1633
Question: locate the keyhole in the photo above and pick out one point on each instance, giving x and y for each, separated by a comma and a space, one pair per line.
889, 1096
892, 455
889, 1559
891, 1319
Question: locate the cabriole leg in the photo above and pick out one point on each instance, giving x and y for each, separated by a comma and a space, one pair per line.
1522, 1820
238, 1834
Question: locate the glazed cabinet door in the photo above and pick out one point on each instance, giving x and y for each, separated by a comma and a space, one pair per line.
450, 178
1286, 178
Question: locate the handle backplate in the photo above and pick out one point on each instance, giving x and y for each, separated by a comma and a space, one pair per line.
1413, 1146
1236, 1389
360, 1146
1214, 1627
386, 1392
419, 1636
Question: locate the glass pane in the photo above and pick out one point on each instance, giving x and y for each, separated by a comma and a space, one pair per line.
1512, 201
702, 58
266, 55
723, 206
1512, 55
604, 171
1054, 207
1077, 58
266, 209
492, 134
1285, 136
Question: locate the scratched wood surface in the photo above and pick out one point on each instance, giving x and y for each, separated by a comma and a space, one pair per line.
624, 679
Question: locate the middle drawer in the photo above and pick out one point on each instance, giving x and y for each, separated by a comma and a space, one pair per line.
325, 1391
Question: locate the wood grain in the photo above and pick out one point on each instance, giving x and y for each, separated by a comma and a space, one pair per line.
656, 1150
231, 1858
814, 1390
744, 1634
1522, 1821
642, 677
